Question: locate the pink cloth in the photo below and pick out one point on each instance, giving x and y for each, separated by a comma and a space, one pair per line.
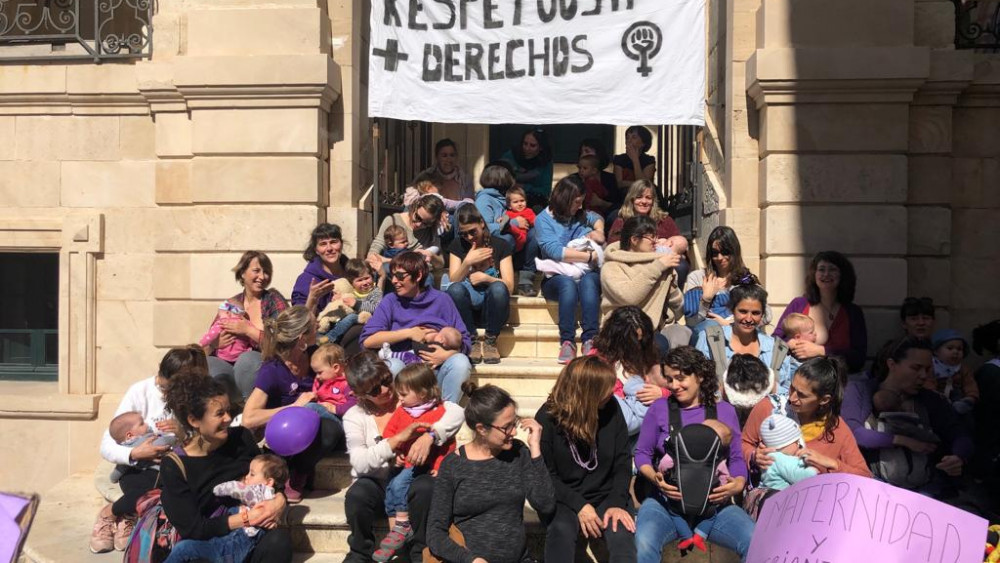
229, 353
334, 390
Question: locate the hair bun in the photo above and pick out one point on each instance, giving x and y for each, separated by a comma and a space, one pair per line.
746, 278
469, 387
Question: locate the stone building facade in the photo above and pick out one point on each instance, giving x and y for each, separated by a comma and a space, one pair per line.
853, 125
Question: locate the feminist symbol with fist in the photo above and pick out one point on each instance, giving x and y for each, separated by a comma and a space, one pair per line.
641, 42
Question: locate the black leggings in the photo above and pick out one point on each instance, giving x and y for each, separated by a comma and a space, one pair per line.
134, 484
562, 529
329, 439
364, 503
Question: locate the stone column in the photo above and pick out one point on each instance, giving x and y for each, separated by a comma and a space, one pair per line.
975, 199
241, 93
832, 83
930, 162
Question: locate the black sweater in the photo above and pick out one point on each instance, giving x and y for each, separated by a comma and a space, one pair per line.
189, 503
604, 487
485, 501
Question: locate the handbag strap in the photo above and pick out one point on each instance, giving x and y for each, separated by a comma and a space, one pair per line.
180, 464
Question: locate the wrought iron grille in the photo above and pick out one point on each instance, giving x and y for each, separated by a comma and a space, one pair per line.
95, 29
977, 25
677, 153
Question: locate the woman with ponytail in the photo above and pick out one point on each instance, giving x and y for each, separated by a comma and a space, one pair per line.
482, 487
284, 380
213, 453
747, 303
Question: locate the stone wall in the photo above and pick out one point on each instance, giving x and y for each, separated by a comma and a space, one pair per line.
150, 178
876, 138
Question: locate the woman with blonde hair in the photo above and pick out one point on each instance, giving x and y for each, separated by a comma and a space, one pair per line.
285, 380
585, 446
642, 201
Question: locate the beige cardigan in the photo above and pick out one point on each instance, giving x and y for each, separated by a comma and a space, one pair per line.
640, 279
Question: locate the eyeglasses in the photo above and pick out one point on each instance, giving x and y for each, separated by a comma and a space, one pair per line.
508, 430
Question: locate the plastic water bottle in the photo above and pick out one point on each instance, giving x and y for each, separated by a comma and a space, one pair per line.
386, 352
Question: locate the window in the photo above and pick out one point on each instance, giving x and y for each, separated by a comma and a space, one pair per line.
29, 317
565, 139
68, 29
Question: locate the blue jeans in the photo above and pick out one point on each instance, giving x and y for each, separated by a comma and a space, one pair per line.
683, 527
524, 260
452, 374
585, 292
655, 528
340, 327
321, 410
234, 546
397, 491
493, 300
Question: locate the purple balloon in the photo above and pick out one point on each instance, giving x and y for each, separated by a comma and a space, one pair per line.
292, 430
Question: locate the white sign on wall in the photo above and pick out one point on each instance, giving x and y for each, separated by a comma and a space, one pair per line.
618, 62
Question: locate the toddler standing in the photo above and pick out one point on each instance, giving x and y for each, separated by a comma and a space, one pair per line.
517, 206
333, 396
268, 472
419, 401
595, 194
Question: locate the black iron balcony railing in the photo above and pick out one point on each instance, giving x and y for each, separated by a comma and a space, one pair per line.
977, 25
75, 29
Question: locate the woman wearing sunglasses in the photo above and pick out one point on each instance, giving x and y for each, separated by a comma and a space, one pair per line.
482, 488
413, 311
706, 292
372, 456
481, 270
420, 222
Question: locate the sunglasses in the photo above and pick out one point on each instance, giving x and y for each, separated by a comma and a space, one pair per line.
377, 389
400, 276
419, 221
713, 253
471, 233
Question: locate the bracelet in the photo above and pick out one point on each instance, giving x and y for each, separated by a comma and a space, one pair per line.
433, 435
245, 512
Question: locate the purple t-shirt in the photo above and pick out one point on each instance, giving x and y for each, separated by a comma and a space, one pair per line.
655, 430
280, 385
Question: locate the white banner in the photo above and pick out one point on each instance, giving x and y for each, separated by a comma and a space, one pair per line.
618, 62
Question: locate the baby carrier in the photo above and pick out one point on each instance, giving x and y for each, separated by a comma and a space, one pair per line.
898, 465
697, 451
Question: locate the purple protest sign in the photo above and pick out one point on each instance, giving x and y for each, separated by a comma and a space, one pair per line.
838, 517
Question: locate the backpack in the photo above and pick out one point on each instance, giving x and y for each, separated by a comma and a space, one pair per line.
153, 536
717, 346
897, 465
697, 451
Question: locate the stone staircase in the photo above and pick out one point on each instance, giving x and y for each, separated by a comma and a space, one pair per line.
318, 525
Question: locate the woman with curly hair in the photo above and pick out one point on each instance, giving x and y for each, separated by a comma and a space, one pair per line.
627, 343
829, 302
585, 446
214, 453
693, 385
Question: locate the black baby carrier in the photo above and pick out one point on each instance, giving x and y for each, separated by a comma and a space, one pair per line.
697, 451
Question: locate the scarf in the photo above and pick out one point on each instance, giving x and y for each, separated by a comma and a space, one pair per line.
813, 430
420, 410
